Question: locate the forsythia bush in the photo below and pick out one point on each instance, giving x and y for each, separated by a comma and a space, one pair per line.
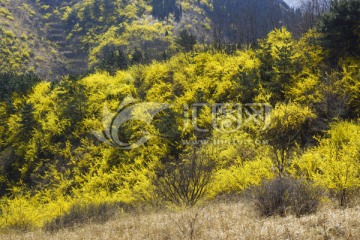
241, 176
335, 163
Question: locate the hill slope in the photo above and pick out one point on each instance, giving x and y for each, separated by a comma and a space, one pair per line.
72, 37
23, 27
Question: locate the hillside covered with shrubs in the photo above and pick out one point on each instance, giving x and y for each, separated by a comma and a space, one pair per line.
165, 106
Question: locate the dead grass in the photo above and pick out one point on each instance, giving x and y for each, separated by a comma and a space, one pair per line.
214, 221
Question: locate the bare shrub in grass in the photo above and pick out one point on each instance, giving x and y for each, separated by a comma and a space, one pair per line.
81, 214
188, 223
287, 195
185, 182
305, 198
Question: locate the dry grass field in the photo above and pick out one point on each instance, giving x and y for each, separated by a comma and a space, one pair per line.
214, 221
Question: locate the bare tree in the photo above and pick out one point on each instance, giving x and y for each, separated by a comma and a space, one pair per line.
240, 22
311, 10
185, 182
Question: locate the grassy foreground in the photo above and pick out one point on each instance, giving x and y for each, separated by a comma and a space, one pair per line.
224, 220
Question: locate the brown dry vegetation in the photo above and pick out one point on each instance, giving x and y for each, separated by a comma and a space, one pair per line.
231, 220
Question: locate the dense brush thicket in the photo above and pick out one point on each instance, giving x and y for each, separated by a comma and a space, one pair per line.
51, 161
